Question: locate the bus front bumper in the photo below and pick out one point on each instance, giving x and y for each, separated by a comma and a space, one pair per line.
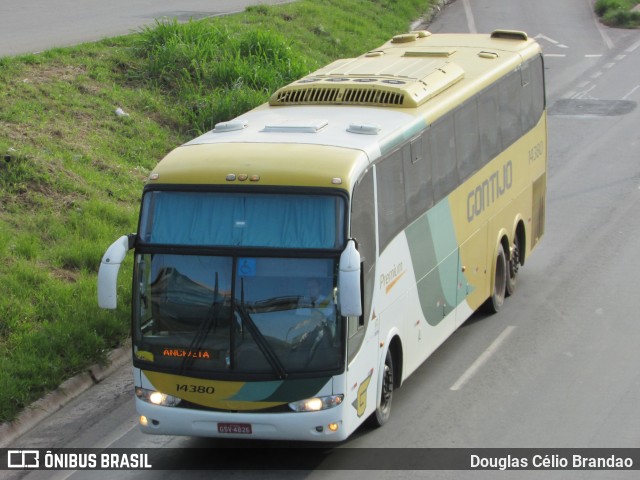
322, 426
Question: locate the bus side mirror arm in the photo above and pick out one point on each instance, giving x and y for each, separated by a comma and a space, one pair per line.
109, 268
350, 296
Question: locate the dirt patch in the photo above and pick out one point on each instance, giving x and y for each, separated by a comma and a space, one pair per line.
64, 275
40, 74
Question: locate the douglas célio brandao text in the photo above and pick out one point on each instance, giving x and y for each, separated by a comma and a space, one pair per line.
550, 462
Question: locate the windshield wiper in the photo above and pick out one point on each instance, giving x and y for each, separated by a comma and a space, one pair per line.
259, 338
204, 329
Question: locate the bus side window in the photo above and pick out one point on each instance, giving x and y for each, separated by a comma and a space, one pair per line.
510, 126
417, 176
526, 98
392, 210
533, 93
537, 80
467, 139
489, 123
443, 153
363, 229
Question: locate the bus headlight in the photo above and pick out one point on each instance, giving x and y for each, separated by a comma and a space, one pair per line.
316, 404
157, 398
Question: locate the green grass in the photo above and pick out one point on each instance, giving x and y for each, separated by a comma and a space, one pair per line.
618, 13
71, 171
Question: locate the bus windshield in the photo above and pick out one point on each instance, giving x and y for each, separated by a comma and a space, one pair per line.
211, 314
226, 219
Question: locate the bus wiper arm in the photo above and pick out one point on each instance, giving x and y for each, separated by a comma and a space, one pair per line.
204, 329
262, 342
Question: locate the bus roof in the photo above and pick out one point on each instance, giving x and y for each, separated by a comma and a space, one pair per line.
332, 123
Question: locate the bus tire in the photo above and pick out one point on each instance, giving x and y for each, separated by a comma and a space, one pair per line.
496, 300
513, 267
383, 412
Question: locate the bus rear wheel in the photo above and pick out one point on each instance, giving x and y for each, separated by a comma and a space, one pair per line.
496, 300
383, 412
514, 265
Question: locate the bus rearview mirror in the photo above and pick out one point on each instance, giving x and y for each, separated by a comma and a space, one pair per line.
108, 272
349, 282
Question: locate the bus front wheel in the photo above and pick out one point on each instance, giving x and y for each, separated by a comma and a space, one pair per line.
383, 412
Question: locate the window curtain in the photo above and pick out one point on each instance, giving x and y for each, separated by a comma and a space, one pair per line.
254, 220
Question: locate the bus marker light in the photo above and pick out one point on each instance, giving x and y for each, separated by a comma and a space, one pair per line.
144, 421
364, 128
230, 126
242, 177
333, 427
254, 178
231, 177
336, 181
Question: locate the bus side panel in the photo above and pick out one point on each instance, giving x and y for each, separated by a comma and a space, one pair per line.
361, 379
434, 257
435, 260
538, 213
475, 278
510, 188
536, 144
392, 303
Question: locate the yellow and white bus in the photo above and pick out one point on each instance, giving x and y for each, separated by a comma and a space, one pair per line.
296, 264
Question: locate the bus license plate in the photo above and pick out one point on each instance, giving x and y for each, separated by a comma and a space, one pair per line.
235, 428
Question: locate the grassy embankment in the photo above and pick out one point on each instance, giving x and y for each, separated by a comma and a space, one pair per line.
71, 171
618, 13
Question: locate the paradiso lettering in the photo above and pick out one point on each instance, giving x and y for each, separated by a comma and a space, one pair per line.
489, 191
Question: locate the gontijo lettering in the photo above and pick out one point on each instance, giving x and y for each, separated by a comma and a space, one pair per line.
489, 191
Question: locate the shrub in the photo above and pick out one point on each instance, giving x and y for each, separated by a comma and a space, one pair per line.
604, 6
618, 13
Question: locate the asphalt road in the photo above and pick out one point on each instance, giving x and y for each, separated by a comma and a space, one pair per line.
30, 26
558, 366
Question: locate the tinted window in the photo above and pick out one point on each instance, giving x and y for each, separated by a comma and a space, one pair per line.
536, 88
510, 108
489, 124
467, 139
417, 175
363, 229
392, 212
443, 155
